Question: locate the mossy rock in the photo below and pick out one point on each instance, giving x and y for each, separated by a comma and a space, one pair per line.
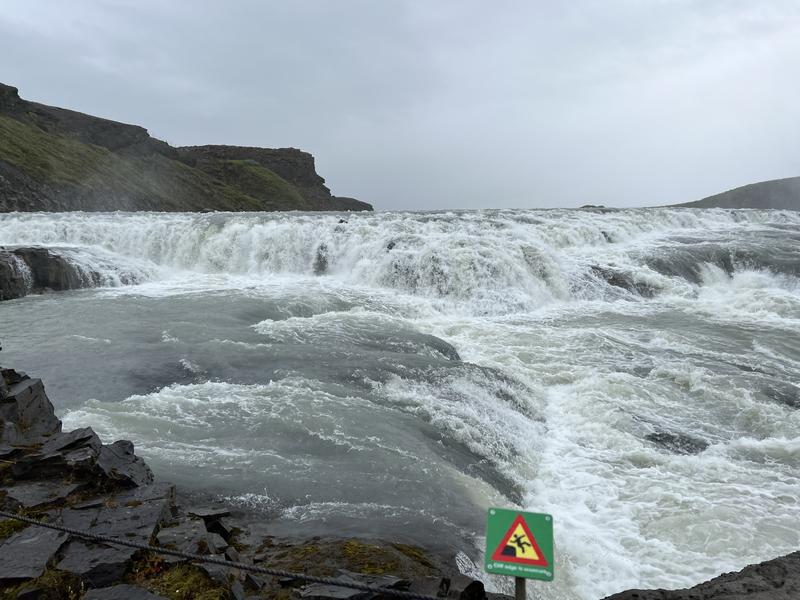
9, 527
176, 582
54, 585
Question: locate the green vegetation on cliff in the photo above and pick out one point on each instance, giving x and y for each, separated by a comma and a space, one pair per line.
53, 159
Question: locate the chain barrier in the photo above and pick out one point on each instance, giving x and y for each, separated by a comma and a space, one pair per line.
354, 585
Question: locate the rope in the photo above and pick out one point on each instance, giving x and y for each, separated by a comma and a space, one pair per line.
216, 561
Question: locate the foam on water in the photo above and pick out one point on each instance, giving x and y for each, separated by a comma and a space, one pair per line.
582, 334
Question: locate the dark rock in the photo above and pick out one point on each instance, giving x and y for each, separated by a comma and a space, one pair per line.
237, 591
97, 565
64, 442
36, 494
49, 271
133, 516
624, 281
15, 277
223, 527
232, 554
254, 582
26, 554
786, 394
777, 579
430, 586
209, 513
678, 443
321, 260
121, 592
381, 581
391, 245
218, 573
216, 543
319, 591
119, 463
35, 592
26, 414
61, 455
187, 536
466, 588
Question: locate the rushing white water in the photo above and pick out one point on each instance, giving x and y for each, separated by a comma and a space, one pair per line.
401, 372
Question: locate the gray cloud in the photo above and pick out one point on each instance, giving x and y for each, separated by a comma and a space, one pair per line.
419, 105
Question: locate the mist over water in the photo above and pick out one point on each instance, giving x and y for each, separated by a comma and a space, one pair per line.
634, 373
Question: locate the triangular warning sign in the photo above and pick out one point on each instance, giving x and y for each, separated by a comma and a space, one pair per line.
519, 546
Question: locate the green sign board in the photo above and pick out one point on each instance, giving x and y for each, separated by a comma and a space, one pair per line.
519, 544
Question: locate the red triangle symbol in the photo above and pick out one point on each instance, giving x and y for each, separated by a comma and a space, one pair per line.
523, 549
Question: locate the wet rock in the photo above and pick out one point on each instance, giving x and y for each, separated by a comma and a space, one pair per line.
232, 554
48, 270
14, 276
254, 582
119, 463
624, 281
209, 513
319, 591
26, 554
466, 588
121, 592
430, 586
134, 516
26, 414
216, 543
73, 440
218, 573
237, 591
777, 579
37, 494
61, 455
188, 536
788, 395
98, 565
321, 260
678, 443
223, 527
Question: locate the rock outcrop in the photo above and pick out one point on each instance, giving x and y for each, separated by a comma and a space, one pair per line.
53, 159
777, 579
781, 194
26, 271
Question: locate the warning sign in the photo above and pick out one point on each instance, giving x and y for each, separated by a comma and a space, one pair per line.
519, 544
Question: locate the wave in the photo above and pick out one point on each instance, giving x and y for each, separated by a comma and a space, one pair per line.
490, 262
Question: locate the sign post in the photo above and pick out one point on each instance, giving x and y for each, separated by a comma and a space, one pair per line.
519, 544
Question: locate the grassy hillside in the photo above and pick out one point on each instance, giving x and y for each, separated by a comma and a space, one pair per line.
93, 176
778, 194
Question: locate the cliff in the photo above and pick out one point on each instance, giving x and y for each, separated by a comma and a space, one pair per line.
52, 159
781, 194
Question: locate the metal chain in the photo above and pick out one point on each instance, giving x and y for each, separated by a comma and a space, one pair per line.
216, 561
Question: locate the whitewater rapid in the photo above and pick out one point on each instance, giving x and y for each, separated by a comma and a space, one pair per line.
397, 373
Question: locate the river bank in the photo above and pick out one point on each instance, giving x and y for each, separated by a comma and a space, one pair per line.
73, 479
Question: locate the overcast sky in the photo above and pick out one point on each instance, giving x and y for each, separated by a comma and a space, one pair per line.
442, 104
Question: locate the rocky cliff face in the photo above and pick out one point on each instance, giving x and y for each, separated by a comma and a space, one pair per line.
52, 159
782, 194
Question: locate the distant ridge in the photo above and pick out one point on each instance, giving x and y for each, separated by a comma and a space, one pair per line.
781, 194
53, 159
